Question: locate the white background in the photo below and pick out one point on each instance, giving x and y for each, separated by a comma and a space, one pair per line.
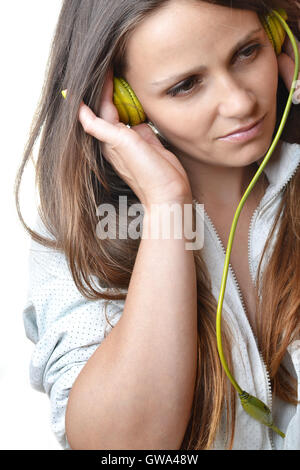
26, 31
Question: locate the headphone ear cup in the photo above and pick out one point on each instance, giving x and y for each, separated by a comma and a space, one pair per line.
129, 108
274, 29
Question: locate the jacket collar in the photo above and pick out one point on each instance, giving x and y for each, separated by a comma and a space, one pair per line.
282, 165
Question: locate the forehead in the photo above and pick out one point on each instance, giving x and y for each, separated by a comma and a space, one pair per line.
182, 28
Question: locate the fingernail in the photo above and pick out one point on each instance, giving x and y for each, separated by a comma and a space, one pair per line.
64, 93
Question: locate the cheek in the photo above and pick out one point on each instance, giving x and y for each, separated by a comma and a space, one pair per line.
188, 133
173, 121
267, 78
186, 128
189, 118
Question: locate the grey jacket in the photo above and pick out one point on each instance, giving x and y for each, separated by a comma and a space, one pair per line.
249, 368
66, 328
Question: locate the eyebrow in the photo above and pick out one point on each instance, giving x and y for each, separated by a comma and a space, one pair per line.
202, 68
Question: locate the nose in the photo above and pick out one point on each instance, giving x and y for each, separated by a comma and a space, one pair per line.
236, 99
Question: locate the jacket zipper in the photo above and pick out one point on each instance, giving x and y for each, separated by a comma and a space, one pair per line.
266, 373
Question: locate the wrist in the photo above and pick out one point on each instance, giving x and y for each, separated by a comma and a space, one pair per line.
171, 219
161, 203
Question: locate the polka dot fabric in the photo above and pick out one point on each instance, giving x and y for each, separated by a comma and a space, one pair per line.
65, 327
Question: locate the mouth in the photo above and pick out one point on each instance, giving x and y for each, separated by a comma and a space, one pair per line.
244, 133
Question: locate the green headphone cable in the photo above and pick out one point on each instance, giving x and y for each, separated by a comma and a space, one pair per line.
252, 405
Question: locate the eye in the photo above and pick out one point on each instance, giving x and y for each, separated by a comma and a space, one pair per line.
250, 51
187, 86
184, 87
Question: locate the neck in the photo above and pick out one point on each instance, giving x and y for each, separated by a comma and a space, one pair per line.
221, 186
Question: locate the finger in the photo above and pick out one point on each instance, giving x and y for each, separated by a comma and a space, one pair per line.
286, 68
288, 47
97, 127
108, 111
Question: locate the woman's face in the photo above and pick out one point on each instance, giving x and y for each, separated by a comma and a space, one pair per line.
225, 86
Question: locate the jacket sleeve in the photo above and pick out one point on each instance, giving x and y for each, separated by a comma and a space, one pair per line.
65, 327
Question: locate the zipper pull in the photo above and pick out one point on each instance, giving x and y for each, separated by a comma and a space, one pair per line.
259, 411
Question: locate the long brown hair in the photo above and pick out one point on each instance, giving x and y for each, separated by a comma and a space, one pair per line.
73, 179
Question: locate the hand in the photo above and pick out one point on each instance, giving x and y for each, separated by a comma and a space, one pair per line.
286, 64
136, 154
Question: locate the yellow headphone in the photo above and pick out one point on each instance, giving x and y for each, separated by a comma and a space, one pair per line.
130, 109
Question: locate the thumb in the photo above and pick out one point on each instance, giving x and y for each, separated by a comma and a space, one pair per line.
146, 132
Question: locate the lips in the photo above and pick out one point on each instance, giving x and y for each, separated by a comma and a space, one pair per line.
242, 129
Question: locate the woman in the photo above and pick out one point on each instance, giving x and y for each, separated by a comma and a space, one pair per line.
155, 381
